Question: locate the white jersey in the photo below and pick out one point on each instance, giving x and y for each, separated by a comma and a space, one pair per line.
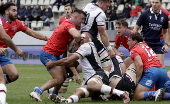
95, 17
88, 59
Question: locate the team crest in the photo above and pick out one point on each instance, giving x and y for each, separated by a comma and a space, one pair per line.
150, 17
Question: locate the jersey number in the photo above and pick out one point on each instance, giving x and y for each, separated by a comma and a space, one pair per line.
149, 51
86, 19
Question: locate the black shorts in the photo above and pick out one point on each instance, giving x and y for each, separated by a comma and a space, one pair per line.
125, 84
102, 75
157, 48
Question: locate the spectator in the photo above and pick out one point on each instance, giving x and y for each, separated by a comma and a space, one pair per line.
148, 5
21, 12
28, 14
126, 11
119, 15
138, 4
47, 10
36, 13
110, 16
133, 13
73, 7
51, 21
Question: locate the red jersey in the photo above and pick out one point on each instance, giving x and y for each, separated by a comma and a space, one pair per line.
148, 56
123, 40
168, 14
57, 43
11, 28
62, 19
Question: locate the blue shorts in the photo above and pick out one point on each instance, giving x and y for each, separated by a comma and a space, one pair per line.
44, 56
4, 60
154, 76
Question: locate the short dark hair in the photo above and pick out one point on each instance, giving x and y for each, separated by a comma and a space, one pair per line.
5, 7
122, 22
67, 5
105, 1
136, 36
79, 12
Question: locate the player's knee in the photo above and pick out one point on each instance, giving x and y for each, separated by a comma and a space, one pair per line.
13, 77
92, 83
85, 92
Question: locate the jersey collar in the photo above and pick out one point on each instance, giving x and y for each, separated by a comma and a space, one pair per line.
5, 19
160, 12
72, 21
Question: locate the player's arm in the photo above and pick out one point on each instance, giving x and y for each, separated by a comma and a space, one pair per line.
8, 41
139, 67
75, 33
105, 40
166, 39
136, 28
35, 34
68, 61
115, 49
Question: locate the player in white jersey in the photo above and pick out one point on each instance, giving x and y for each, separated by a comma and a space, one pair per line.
94, 24
95, 78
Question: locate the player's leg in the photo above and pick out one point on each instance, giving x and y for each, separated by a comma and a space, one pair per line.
128, 61
9, 69
151, 77
95, 84
3, 88
161, 58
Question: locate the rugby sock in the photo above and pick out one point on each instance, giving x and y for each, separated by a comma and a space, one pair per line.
73, 99
108, 89
7, 79
54, 92
166, 96
38, 90
149, 94
3, 91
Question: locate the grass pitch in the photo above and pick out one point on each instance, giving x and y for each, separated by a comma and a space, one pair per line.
36, 75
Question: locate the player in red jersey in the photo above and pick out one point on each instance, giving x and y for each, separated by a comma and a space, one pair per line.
56, 46
7, 40
149, 70
12, 26
67, 11
121, 39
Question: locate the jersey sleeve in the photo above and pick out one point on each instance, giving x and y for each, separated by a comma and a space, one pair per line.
141, 19
133, 54
101, 19
117, 41
83, 50
21, 26
68, 25
165, 25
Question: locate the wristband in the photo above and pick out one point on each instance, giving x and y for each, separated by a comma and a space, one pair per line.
109, 48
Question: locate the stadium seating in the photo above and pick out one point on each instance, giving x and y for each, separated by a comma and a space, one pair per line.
52, 1
35, 2
28, 2
168, 6
54, 9
164, 5
46, 2
120, 7
41, 2
22, 2
34, 24
40, 25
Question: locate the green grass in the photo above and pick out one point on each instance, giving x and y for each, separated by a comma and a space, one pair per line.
36, 75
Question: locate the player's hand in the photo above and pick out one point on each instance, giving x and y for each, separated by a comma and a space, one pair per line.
121, 54
2, 51
165, 48
78, 79
111, 53
19, 52
49, 64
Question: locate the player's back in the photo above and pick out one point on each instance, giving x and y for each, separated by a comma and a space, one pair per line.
95, 17
148, 56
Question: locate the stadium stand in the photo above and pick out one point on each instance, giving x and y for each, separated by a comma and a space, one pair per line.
35, 2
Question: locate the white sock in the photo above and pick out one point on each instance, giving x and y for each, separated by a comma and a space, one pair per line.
117, 92
105, 89
73, 99
3, 91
